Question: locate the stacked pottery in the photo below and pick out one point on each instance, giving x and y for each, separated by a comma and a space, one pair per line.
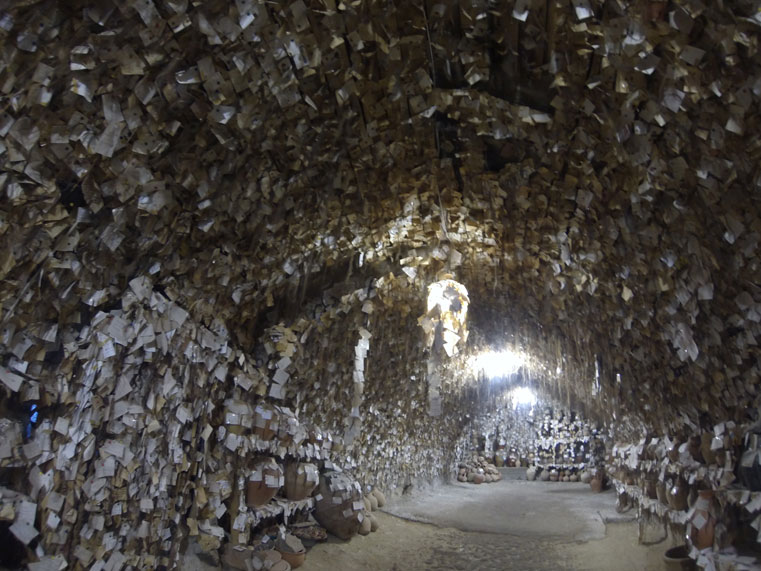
373, 501
478, 471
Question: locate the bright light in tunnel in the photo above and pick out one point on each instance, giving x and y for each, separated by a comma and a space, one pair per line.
501, 364
523, 396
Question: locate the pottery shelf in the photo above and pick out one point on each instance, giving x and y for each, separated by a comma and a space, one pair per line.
747, 499
283, 506
554, 466
251, 517
650, 505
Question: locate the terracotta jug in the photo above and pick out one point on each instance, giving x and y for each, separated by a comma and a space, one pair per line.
703, 520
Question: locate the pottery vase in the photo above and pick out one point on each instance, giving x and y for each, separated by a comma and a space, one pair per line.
703, 522
705, 448
678, 495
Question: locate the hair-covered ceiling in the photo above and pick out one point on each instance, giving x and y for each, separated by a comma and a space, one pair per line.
589, 170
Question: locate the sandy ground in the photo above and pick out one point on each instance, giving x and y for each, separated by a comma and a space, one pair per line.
526, 526
508, 525
401, 545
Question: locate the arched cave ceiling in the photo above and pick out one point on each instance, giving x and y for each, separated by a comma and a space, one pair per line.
589, 170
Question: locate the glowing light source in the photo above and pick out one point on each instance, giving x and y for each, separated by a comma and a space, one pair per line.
502, 364
523, 396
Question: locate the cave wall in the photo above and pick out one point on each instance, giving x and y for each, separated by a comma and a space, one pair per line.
147, 422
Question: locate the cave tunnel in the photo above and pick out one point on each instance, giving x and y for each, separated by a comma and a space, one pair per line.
467, 284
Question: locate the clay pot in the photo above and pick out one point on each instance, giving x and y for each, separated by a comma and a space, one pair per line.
380, 497
366, 526
531, 474
373, 502
236, 556
650, 487
264, 481
314, 436
597, 483
673, 452
338, 493
266, 418
374, 523
678, 495
585, 477
661, 492
703, 521
269, 559
693, 446
705, 448
294, 559
678, 559
478, 478
290, 431
301, 478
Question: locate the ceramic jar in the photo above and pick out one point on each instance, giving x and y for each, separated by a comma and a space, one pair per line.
702, 524
301, 478
338, 504
597, 483
705, 448
650, 487
264, 481
266, 421
678, 494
